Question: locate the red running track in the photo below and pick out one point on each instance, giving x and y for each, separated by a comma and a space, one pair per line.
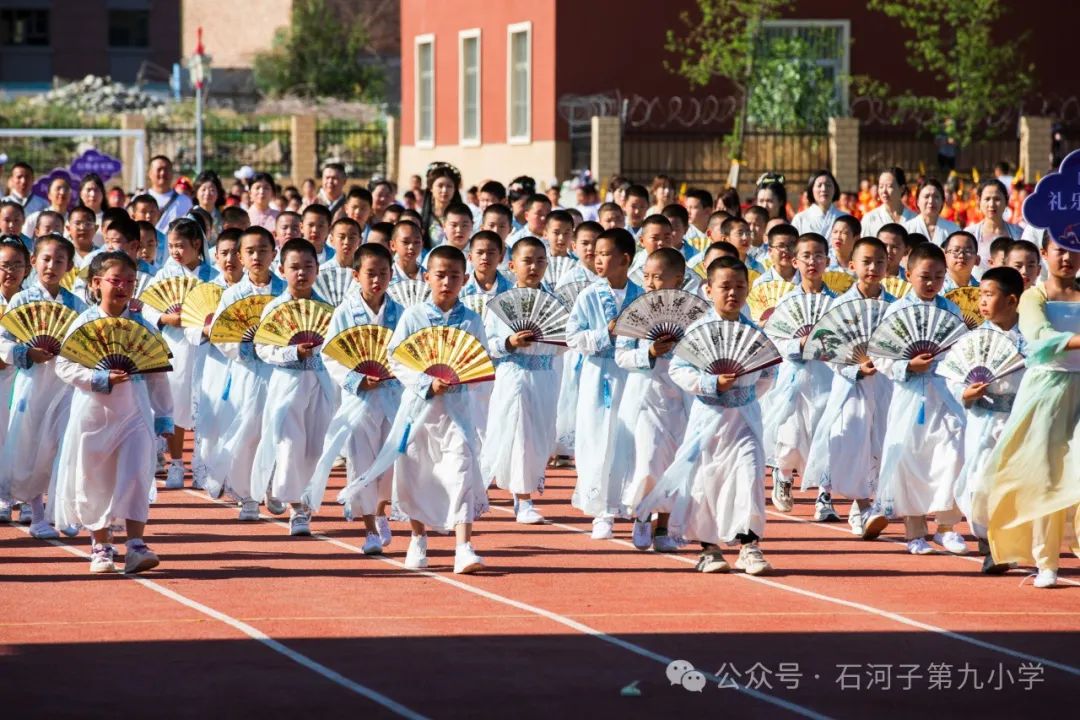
241, 620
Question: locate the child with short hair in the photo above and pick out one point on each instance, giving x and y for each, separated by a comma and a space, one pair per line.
230, 462
357, 207
610, 215
345, 238
380, 233
635, 206
845, 453
407, 243
757, 218
39, 400
14, 267
923, 449
368, 405
81, 230
680, 222
144, 208
998, 249
602, 443
846, 230
736, 231
558, 233
12, 218
517, 445
148, 244
714, 489
106, 466
537, 207
300, 400
315, 228
498, 219
434, 445
782, 239
49, 222
234, 217
988, 404
1023, 256
653, 407
894, 236
655, 233
961, 257
797, 402
457, 227
485, 255
286, 227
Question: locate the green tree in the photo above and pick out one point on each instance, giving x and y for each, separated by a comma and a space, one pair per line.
953, 42
318, 55
791, 91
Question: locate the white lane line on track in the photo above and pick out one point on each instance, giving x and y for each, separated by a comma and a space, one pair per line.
532, 609
261, 637
841, 528
851, 604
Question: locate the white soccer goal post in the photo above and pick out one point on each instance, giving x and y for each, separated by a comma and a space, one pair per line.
133, 158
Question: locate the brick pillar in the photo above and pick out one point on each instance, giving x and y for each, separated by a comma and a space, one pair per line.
130, 175
844, 152
1035, 142
393, 136
305, 149
606, 152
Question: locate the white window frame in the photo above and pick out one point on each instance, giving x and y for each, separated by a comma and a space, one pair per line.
463, 140
428, 39
844, 71
511, 30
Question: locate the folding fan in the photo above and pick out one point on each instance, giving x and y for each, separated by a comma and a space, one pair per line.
721, 347
764, 297
333, 284
446, 353
967, 299
167, 295
294, 323
42, 324
660, 313
238, 321
838, 281
68, 280
915, 330
200, 305
982, 356
795, 315
895, 286
557, 267
117, 344
409, 292
698, 242
701, 272
752, 275
535, 311
842, 334
477, 302
568, 293
362, 348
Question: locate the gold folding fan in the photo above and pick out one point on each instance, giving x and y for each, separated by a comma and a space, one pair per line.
238, 321
896, 286
117, 344
967, 299
838, 281
42, 324
295, 322
446, 353
200, 305
765, 296
361, 348
68, 280
167, 295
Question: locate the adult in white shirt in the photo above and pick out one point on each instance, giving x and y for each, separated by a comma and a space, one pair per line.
992, 204
59, 200
930, 198
171, 202
820, 216
21, 189
332, 192
892, 189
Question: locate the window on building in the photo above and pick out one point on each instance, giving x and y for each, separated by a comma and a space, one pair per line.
425, 90
129, 28
469, 91
519, 92
24, 28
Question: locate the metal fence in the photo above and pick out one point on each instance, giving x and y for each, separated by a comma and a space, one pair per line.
265, 145
361, 148
883, 148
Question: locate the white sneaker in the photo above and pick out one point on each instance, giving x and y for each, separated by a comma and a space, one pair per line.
103, 559
857, 520
300, 523
466, 560
1045, 579
919, 546
781, 493
274, 506
602, 529
249, 511
5, 513
527, 515
665, 544
752, 561
174, 479
824, 510
138, 558
382, 524
642, 536
372, 545
712, 562
43, 531
952, 541
416, 556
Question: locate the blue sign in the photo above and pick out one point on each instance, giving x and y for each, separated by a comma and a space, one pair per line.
93, 161
1055, 204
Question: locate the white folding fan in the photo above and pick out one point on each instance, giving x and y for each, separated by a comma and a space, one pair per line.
333, 284
795, 315
842, 334
660, 313
536, 311
982, 356
409, 292
916, 330
722, 347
